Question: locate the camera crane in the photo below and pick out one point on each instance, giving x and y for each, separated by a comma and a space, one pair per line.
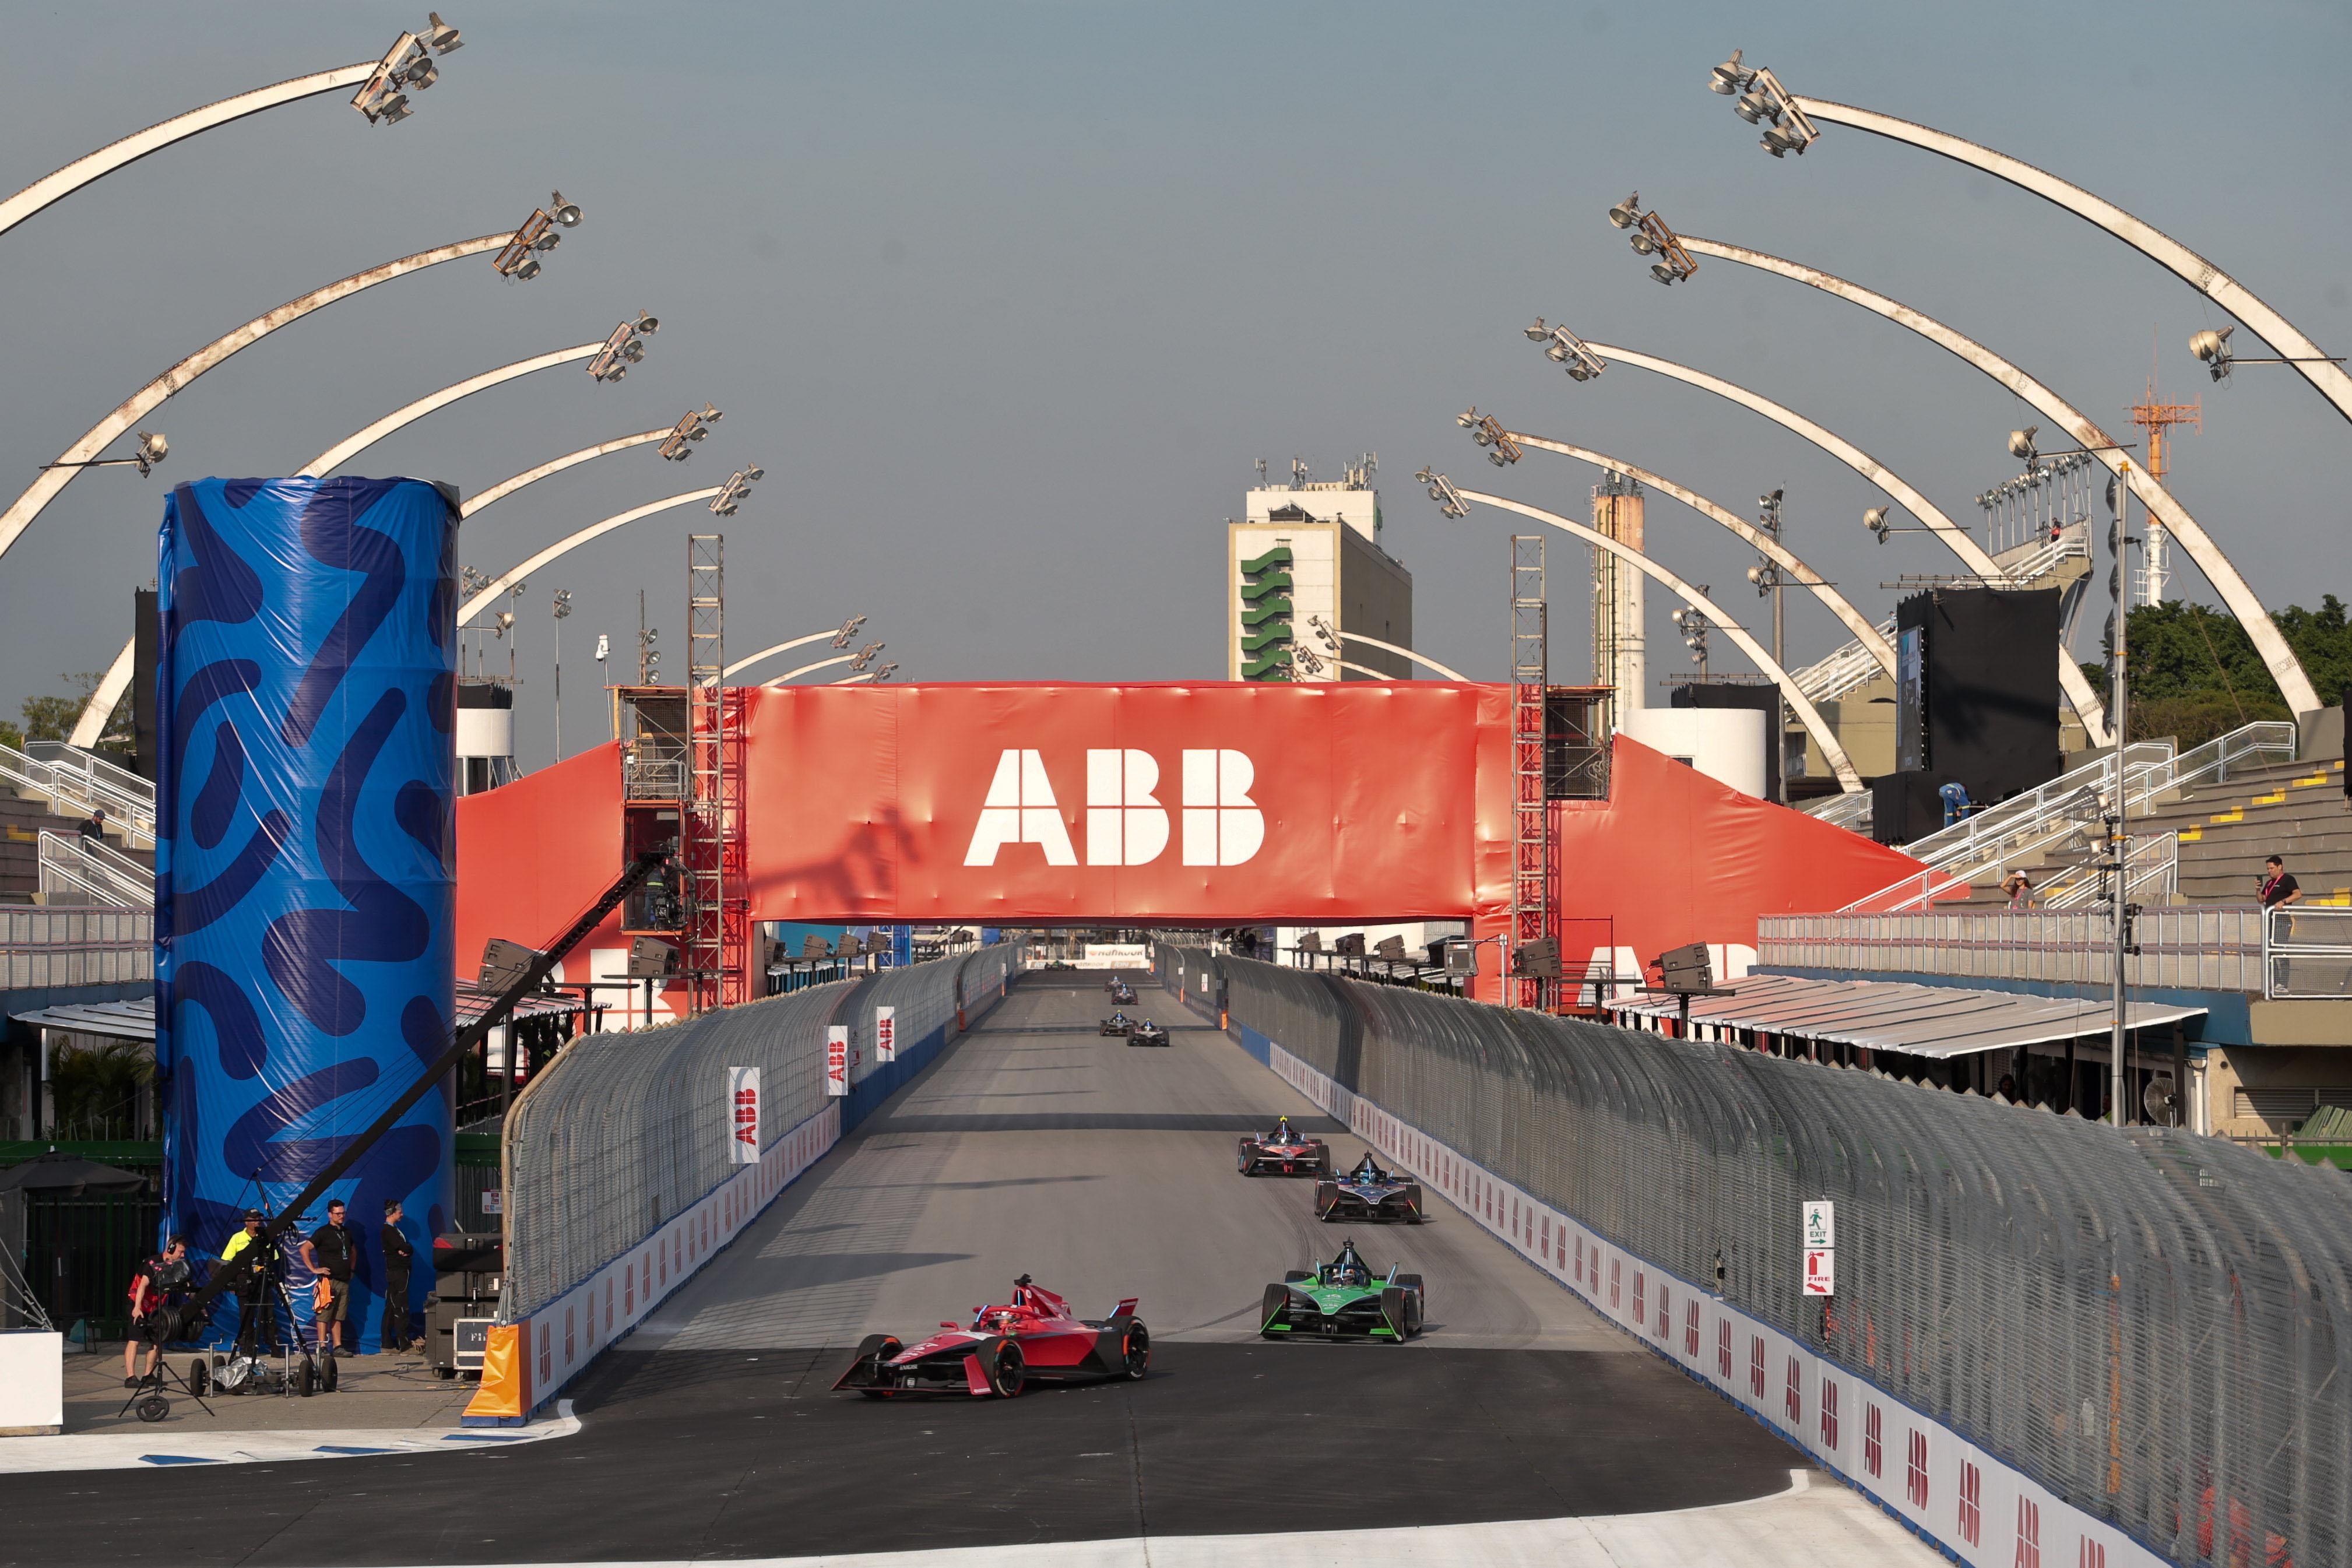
234, 1274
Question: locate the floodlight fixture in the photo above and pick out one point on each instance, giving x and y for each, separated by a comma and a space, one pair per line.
1760, 100
694, 426
624, 348
1651, 235
1567, 350
864, 656
152, 448
2020, 445
1488, 431
848, 630
1731, 76
1307, 659
736, 490
2214, 348
883, 674
1441, 490
562, 602
537, 236
408, 65
1874, 520
1627, 213
1323, 632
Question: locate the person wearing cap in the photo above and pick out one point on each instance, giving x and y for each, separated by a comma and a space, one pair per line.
251, 1297
2019, 887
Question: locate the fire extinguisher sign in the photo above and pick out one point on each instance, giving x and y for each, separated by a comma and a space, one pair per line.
1819, 1247
836, 1059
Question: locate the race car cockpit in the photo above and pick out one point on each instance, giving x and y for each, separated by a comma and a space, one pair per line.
1347, 1268
1368, 1170
1283, 1132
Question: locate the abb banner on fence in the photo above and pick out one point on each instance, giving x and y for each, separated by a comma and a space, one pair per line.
1215, 802
743, 1113
886, 1034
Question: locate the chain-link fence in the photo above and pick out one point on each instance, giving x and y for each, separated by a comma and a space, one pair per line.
623, 1130
2149, 1324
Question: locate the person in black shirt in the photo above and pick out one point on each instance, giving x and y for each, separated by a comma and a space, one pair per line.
159, 1287
398, 1254
329, 1254
2278, 886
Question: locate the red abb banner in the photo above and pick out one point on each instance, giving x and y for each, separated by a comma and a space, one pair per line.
1207, 804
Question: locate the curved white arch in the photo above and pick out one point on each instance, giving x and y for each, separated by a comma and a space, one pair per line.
2071, 679
179, 128
2277, 657
2330, 380
500, 491
100, 706
143, 401
1810, 716
507, 579
868, 679
825, 636
1864, 633
357, 441
811, 669
1423, 659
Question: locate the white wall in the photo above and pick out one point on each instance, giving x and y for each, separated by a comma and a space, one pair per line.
1726, 744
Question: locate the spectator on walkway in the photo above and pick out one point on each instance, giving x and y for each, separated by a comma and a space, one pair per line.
399, 1253
94, 825
2279, 886
328, 1253
2018, 888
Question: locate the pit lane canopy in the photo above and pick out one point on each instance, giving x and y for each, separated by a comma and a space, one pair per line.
1938, 1021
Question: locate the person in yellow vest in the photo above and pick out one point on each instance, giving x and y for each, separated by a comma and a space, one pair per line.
252, 1296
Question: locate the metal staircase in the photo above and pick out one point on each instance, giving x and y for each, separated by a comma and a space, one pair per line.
75, 783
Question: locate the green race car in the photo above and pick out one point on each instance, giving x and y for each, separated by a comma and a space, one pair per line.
1343, 1300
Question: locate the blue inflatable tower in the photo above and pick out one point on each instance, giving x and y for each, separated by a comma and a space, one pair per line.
305, 870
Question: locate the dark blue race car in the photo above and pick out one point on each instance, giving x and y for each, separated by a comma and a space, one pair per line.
1369, 1193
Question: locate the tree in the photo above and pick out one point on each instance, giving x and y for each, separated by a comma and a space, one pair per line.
96, 1089
53, 717
2195, 674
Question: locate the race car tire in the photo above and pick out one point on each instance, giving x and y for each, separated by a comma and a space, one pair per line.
1420, 1293
1272, 1308
1396, 1307
873, 1350
1008, 1372
1326, 1200
1413, 1206
1136, 1358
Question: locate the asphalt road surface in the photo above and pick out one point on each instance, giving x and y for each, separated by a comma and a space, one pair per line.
1033, 1145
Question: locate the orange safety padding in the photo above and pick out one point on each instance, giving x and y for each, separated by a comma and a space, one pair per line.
505, 1392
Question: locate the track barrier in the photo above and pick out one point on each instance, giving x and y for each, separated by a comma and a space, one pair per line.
626, 1171
2050, 1341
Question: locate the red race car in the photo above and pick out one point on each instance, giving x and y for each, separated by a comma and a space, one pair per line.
1034, 1336
1285, 1151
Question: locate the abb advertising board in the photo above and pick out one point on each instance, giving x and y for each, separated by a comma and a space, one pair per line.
1205, 804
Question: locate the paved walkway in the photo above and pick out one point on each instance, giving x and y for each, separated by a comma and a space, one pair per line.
372, 1393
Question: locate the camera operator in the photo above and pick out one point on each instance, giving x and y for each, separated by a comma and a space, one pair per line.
329, 1253
157, 1289
253, 1313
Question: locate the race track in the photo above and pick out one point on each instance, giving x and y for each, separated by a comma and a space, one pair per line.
1035, 1146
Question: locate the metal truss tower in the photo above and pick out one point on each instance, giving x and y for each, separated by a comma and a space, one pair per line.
717, 927
1531, 813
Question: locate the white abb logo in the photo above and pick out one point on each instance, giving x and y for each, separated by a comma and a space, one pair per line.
1126, 822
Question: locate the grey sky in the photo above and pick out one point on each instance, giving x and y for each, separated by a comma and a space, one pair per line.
1007, 297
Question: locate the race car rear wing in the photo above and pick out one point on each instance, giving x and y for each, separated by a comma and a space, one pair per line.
1126, 1306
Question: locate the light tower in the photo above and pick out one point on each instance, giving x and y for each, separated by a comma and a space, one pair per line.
1620, 656
2158, 418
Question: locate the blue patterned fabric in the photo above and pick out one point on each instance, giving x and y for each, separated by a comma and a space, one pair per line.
304, 865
